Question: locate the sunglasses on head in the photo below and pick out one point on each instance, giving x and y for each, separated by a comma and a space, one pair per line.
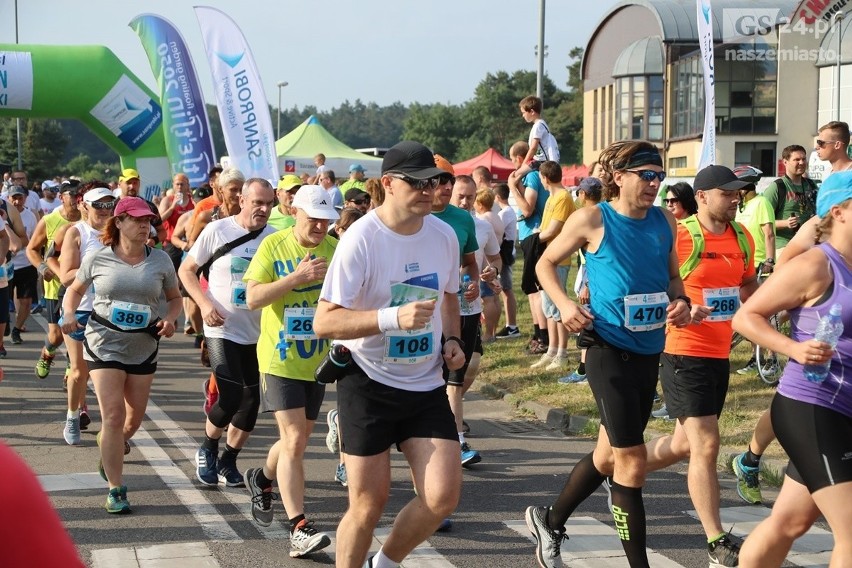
649, 175
418, 184
103, 204
822, 143
671, 200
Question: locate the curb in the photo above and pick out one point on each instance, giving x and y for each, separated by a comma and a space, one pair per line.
772, 470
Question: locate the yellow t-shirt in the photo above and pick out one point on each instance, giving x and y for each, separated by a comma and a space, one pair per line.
559, 206
52, 223
287, 346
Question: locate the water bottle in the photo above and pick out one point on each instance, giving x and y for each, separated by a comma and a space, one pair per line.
829, 329
335, 365
464, 305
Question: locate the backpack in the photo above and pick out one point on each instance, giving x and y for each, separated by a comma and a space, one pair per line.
694, 227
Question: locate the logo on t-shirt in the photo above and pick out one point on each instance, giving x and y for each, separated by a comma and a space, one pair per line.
412, 267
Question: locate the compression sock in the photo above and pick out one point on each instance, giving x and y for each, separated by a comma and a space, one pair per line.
750, 459
211, 444
583, 481
294, 522
628, 511
230, 454
50, 347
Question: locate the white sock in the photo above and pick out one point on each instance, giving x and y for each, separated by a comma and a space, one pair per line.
551, 352
74, 413
562, 353
461, 437
382, 561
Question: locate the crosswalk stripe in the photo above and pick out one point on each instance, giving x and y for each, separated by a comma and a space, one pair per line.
186, 555
596, 545
812, 549
70, 482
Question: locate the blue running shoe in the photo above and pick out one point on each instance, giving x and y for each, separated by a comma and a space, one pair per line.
206, 467
469, 456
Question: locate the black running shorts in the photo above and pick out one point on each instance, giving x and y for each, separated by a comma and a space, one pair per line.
694, 386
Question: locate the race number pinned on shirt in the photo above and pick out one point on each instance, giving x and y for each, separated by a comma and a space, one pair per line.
238, 295
127, 315
724, 301
409, 347
645, 312
299, 324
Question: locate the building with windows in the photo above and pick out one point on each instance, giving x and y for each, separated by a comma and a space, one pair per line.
775, 78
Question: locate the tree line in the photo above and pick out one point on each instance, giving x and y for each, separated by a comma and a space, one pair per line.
457, 131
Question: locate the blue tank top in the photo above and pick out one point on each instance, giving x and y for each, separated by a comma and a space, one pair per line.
629, 277
835, 392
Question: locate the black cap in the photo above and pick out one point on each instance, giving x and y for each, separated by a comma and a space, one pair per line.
412, 159
354, 193
69, 186
717, 177
202, 192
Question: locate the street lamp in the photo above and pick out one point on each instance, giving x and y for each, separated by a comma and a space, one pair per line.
837, 20
281, 85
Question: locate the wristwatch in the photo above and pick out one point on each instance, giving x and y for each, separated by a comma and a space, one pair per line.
685, 299
456, 339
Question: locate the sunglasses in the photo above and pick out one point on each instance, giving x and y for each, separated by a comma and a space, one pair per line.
822, 143
671, 201
649, 175
418, 184
103, 204
19, 178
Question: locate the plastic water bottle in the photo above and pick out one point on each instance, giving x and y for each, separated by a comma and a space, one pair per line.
464, 305
829, 329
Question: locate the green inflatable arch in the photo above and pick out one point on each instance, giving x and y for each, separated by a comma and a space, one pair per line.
91, 84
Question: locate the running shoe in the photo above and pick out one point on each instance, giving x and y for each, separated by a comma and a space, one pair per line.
557, 364
229, 474
210, 398
548, 545
332, 439
748, 485
3, 352
571, 379
661, 413
724, 551
469, 456
306, 539
261, 499
16, 336
85, 420
544, 361
117, 502
340, 475
71, 432
42, 366
445, 525
206, 467
750, 368
508, 332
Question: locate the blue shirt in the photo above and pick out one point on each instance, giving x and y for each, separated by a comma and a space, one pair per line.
527, 225
632, 259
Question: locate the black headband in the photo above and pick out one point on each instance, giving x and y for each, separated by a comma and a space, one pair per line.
641, 158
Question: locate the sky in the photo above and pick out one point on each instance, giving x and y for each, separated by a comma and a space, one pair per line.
330, 51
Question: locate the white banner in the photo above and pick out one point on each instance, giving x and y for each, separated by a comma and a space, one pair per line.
243, 110
16, 80
705, 39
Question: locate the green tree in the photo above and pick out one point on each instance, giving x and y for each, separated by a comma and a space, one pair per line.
438, 126
43, 146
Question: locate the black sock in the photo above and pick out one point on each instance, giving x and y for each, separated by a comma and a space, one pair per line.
750, 459
294, 522
230, 454
544, 337
628, 510
581, 368
583, 481
262, 481
210, 444
536, 332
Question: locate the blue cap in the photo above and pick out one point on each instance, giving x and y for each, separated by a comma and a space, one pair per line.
836, 189
356, 168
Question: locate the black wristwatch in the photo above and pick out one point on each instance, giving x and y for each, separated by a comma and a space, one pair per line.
456, 339
685, 299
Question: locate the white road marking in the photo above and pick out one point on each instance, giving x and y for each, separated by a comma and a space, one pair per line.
597, 545
185, 555
71, 482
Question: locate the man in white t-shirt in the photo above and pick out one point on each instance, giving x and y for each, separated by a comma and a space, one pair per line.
391, 311
231, 330
48, 201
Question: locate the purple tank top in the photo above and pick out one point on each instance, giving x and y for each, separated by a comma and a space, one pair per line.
836, 391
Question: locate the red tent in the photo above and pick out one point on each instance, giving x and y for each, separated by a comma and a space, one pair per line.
499, 166
571, 175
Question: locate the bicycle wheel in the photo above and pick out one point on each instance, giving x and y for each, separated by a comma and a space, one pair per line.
770, 365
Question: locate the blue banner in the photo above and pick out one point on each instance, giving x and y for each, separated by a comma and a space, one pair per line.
185, 124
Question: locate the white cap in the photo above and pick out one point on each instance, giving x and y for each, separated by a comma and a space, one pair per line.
49, 184
97, 193
314, 201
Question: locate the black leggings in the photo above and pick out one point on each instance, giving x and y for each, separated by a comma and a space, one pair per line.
238, 379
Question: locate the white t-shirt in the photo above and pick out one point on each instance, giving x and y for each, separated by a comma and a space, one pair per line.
487, 241
30, 221
547, 149
373, 268
510, 223
46, 206
226, 288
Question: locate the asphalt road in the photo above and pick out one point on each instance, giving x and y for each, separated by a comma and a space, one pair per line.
177, 522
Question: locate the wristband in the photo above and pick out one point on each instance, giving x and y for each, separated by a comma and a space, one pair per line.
388, 319
42, 268
456, 339
685, 299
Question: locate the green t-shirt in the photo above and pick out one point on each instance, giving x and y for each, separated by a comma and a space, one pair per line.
463, 225
53, 221
286, 346
789, 199
756, 213
279, 220
349, 184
